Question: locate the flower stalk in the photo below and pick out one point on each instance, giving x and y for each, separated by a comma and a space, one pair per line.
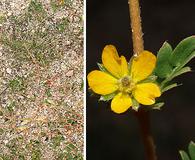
144, 123
138, 46
136, 27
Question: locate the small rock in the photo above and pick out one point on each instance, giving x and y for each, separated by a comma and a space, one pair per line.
9, 13
43, 29
70, 73
23, 7
68, 42
6, 142
63, 66
8, 70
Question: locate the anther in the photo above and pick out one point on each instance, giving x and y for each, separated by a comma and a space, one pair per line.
125, 81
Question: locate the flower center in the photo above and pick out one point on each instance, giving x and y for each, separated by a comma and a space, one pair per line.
125, 81
126, 84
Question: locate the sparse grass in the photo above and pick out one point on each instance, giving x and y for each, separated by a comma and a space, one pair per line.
41, 106
62, 25
48, 92
1, 131
57, 140
58, 4
36, 150
11, 106
82, 85
17, 84
2, 18
31, 38
69, 153
35, 7
5, 157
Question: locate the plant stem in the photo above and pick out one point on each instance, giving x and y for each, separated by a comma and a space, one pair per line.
138, 46
138, 43
144, 123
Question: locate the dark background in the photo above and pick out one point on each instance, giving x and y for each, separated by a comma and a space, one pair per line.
116, 137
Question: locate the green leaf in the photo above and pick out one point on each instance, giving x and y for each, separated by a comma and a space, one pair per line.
191, 149
184, 155
135, 104
163, 66
174, 74
171, 86
151, 78
158, 105
107, 97
181, 71
183, 51
101, 67
192, 55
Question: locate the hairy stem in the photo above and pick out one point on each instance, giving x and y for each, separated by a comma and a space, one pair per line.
138, 43
138, 46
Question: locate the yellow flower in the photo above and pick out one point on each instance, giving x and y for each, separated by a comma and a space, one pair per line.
126, 83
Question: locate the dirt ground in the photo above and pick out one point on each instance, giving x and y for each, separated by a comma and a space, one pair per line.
41, 79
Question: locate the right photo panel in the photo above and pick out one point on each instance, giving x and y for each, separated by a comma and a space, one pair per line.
140, 80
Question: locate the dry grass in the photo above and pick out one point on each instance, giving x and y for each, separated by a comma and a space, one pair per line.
41, 104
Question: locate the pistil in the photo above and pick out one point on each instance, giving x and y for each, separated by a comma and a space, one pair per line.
126, 84
125, 81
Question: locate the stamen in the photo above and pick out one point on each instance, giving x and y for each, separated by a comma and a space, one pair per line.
125, 82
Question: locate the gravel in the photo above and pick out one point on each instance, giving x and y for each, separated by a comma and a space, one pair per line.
41, 99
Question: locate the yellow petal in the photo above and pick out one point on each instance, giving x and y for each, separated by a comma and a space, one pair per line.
116, 65
121, 103
123, 66
102, 83
143, 66
145, 93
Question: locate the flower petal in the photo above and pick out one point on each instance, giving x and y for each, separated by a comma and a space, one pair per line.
121, 103
142, 66
116, 65
102, 83
145, 93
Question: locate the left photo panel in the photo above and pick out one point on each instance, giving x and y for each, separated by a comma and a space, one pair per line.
41, 80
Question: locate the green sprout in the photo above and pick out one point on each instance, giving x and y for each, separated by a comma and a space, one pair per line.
191, 150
